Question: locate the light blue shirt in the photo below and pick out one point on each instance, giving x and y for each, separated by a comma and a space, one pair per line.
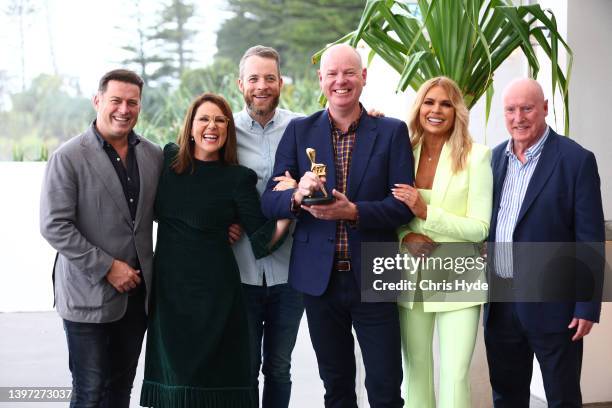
518, 176
256, 150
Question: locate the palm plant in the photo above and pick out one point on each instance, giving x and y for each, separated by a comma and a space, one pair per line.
466, 40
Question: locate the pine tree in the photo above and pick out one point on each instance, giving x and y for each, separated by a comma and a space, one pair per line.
296, 28
172, 36
140, 46
21, 10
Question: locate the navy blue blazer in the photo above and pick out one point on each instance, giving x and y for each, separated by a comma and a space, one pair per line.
381, 157
562, 204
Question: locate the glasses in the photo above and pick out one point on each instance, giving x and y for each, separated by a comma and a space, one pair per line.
220, 121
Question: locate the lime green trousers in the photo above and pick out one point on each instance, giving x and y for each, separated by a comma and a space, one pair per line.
457, 336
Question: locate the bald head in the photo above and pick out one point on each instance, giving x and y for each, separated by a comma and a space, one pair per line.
524, 86
525, 111
342, 78
343, 52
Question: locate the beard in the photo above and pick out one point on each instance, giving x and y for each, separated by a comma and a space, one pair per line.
261, 110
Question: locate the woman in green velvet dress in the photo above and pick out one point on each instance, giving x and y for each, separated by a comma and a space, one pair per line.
197, 344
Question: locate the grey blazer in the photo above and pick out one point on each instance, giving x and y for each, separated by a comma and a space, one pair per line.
85, 217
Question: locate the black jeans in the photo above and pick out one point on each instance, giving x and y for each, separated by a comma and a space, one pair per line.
103, 357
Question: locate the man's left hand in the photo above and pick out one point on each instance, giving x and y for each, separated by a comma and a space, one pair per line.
341, 209
583, 327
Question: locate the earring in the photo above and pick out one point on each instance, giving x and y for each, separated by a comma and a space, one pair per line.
191, 139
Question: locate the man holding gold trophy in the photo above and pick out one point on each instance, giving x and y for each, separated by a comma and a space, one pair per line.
319, 170
360, 159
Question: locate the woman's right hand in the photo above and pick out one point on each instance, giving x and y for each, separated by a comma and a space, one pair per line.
418, 244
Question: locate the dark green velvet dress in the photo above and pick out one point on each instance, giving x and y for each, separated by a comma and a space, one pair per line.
197, 343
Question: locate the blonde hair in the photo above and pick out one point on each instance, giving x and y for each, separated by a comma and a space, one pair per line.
460, 140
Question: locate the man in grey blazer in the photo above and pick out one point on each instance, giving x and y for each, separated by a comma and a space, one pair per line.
96, 210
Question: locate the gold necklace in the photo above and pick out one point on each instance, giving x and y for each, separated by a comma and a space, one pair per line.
426, 153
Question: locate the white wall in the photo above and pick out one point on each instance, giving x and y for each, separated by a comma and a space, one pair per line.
589, 34
26, 258
587, 25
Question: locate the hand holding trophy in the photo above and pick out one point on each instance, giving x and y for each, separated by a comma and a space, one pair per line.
320, 170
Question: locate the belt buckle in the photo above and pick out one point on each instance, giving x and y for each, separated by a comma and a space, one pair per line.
343, 266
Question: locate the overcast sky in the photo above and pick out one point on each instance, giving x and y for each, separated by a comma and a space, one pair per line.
86, 41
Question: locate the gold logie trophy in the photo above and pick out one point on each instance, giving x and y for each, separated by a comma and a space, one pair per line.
321, 171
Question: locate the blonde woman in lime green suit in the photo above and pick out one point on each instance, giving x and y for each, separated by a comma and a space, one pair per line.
451, 201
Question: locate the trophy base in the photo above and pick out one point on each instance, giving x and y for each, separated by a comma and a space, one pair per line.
318, 200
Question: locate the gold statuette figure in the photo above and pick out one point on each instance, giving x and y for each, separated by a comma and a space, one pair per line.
320, 170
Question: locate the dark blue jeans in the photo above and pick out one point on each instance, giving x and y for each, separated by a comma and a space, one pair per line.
103, 357
274, 319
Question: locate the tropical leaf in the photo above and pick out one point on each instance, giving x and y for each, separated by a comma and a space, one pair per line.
466, 40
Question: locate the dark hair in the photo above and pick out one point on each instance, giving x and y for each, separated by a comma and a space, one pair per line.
228, 153
259, 51
121, 75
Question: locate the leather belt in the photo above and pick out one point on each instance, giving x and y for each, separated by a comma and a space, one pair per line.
342, 265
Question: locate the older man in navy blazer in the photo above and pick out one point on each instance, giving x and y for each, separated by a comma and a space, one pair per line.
365, 157
546, 189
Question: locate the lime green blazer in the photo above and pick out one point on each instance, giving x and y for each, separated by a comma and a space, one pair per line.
459, 211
